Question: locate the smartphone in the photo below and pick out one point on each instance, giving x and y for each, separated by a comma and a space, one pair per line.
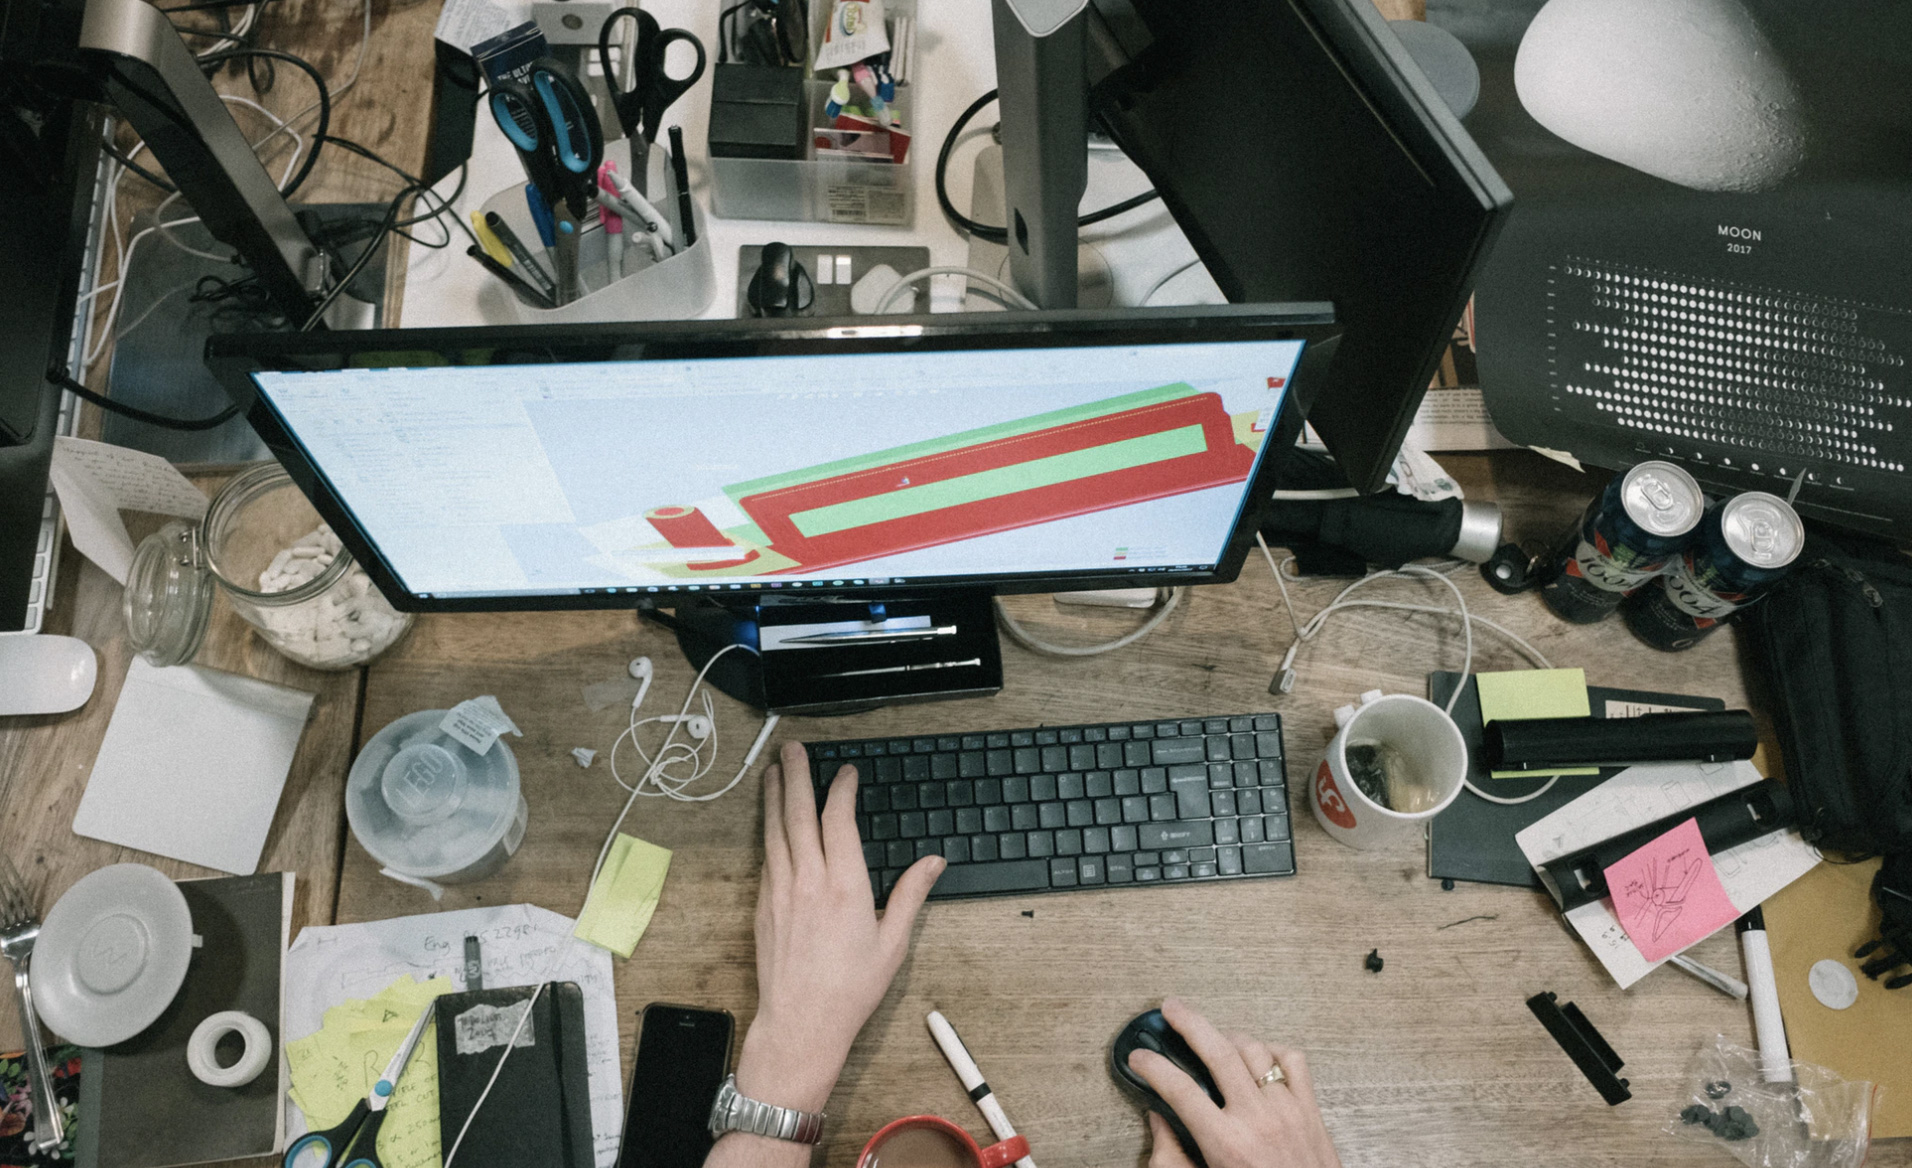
683, 1054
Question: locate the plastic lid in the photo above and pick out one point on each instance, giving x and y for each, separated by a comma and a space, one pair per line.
423, 803
168, 596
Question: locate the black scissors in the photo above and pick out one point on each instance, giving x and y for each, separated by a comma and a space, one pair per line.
549, 119
640, 109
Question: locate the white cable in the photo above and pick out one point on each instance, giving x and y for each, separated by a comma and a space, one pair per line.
511, 1044
1308, 631
1003, 287
1163, 282
1164, 605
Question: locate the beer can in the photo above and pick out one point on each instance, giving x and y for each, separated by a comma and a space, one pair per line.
1744, 546
1628, 535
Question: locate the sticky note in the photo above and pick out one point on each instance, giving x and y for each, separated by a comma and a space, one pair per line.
625, 895
334, 1067
1534, 693
1668, 895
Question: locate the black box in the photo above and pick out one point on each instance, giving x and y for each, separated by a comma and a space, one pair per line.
757, 111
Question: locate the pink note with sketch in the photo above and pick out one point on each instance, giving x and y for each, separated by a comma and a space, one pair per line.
1667, 894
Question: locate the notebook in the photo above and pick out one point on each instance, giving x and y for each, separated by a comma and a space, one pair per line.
139, 1105
1474, 839
538, 1113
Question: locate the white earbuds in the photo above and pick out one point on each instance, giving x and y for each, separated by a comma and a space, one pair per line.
696, 725
640, 668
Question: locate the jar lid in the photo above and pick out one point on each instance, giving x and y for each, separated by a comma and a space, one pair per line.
168, 596
423, 803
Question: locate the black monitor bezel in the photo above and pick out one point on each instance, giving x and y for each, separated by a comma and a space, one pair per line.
234, 358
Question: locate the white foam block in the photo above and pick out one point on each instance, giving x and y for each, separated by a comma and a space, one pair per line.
192, 765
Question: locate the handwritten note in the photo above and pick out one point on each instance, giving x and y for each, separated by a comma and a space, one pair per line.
334, 1067
96, 481
1667, 894
1535, 693
522, 945
625, 895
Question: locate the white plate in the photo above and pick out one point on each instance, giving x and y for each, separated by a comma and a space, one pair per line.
112, 954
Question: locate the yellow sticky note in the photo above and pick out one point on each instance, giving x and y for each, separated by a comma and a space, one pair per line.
1534, 693
625, 895
334, 1068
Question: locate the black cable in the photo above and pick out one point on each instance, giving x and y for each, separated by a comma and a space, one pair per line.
1001, 234
325, 102
724, 33
120, 157
444, 205
365, 257
61, 378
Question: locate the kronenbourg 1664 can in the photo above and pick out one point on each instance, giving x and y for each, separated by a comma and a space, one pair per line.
1743, 547
1627, 537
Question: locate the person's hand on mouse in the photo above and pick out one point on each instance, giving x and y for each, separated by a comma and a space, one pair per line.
824, 957
1268, 1121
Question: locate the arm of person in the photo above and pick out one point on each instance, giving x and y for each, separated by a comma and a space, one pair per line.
1263, 1124
824, 957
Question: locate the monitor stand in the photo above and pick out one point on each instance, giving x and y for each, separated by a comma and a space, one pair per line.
843, 655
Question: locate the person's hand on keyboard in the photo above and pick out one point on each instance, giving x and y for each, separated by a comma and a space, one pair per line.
1269, 1122
824, 958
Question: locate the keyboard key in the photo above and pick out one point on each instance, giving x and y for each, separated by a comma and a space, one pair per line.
998, 741
940, 823
1227, 831
999, 762
922, 745
1246, 803
1062, 873
1273, 799
1120, 870
1264, 858
1052, 815
1089, 870
1148, 859
1122, 839
1161, 807
1023, 816
1175, 871
1142, 730
909, 825
1153, 836
1042, 788
873, 853
1277, 827
883, 827
1095, 840
1118, 734
1070, 786
926, 847
1082, 757
1026, 760
1175, 856
1042, 844
1189, 728
1228, 860
899, 853
1108, 811
969, 820
888, 770
943, 766
1216, 746
1146, 875
1109, 754
1003, 876
873, 799
1068, 842
1174, 750
996, 819
956, 849
1199, 871
1238, 724
973, 741
903, 797
1022, 738
1012, 846
1045, 738
1154, 780
1223, 803
1055, 758
850, 750
1094, 734
1247, 774
949, 744
1251, 830
970, 765
988, 791
1215, 725
1271, 771
1067, 737
1241, 746
1136, 753
1128, 782
932, 794
1100, 785
982, 848
1015, 789
1268, 745
872, 749
1267, 721
960, 793
1191, 796
1220, 778
1200, 855
915, 768
1135, 809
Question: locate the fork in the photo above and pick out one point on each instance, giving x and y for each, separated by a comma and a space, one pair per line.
19, 926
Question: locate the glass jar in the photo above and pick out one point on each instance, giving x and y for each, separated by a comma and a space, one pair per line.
280, 566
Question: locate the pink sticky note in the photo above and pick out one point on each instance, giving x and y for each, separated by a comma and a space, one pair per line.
1667, 894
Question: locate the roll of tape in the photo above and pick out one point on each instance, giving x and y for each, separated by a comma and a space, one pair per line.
201, 1057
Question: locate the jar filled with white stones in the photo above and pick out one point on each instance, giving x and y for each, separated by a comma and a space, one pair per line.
280, 567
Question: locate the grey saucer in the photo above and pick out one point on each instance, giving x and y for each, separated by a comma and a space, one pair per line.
112, 954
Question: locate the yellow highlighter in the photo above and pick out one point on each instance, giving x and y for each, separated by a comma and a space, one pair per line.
488, 239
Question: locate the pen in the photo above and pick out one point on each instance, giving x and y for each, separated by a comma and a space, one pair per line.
612, 222
520, 255
517, 282
971, 1077
680, 169
567, 257
541, 214
488, 239
1763, 988
639, 205
904, 668
867, 635
1724, 983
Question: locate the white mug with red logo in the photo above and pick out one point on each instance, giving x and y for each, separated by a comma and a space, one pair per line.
1396, 762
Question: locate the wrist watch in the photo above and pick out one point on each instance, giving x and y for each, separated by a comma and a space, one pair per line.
737, 1112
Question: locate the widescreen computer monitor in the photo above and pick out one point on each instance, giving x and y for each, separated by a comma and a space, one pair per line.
1304, 154
753, 463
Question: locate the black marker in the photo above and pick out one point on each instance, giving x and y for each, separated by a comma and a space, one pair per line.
681, 169
517, 282
520, 255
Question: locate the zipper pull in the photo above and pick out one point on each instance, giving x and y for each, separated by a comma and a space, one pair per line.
1865, 586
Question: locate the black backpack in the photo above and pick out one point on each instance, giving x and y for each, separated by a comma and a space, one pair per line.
1833, 645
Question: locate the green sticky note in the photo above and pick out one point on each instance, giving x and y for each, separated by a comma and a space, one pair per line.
625, 895
1534, 693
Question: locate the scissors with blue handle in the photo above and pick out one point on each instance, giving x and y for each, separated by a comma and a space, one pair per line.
549, 120
640, 109
354, 1143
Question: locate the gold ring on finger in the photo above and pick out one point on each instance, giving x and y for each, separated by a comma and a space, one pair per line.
1274, 1075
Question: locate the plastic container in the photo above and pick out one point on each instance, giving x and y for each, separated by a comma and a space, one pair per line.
428, 807
678, 287
828, 190
327, 615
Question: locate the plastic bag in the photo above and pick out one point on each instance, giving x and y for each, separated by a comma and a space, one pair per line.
1817, 1121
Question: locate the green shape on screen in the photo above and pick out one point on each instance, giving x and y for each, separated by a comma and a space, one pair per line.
1534, 693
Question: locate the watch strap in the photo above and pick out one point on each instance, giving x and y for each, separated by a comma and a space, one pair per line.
735, 1111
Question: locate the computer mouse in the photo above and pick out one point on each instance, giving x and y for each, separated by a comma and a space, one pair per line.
781, 285
1151, 1031
45, 674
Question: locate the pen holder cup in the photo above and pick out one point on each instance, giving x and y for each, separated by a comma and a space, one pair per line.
678, 287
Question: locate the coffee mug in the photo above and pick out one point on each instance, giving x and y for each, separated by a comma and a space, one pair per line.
930, 1141
1396, 763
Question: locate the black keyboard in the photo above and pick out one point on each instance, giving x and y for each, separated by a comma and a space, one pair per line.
1062, 807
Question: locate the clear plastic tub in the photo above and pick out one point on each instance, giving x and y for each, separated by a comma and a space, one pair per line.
428, 807
828, 190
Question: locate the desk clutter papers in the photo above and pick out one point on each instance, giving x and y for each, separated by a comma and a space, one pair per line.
96, 481
334, 1067
521, 945
192, 765
624, 895
1534, 693
1748, 873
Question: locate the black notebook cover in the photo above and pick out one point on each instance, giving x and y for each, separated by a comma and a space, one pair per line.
139, 1105
1474, 839
538, 1114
